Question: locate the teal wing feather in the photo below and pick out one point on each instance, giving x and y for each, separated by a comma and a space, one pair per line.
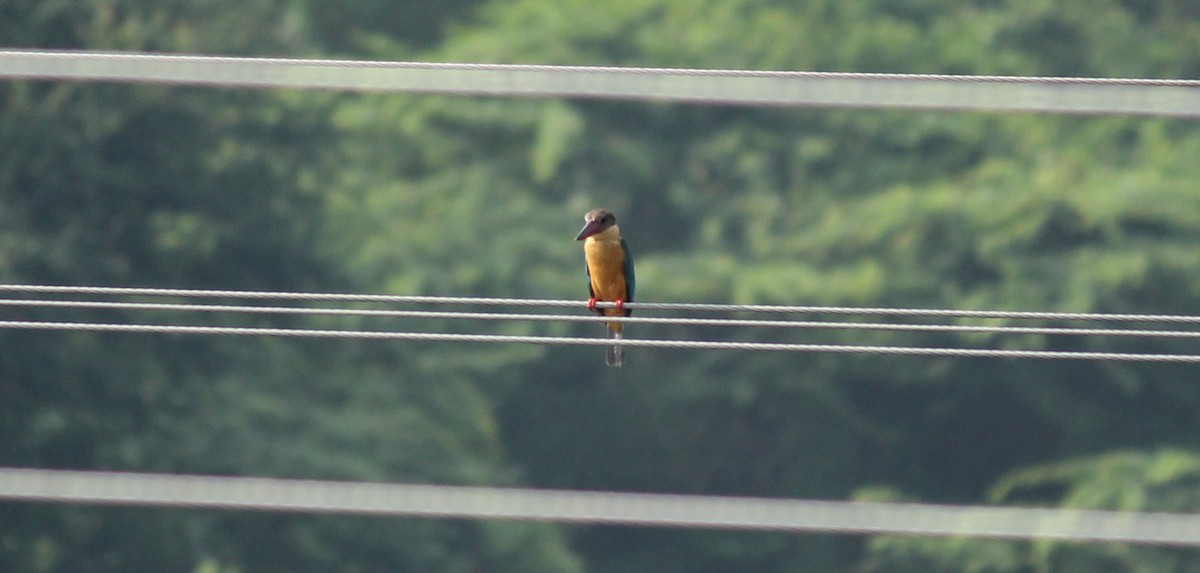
630, 278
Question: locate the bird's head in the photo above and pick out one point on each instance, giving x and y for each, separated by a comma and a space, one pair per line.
596, 221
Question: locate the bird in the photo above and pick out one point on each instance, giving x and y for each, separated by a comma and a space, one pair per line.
609, 265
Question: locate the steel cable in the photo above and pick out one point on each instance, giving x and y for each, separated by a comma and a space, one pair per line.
594, 507
1168, 97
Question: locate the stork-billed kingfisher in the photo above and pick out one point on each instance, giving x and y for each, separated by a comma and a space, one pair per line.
610, 273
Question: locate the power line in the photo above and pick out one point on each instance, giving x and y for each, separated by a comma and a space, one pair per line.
576, 341
594, 507
580, 304
676, 321
738, 87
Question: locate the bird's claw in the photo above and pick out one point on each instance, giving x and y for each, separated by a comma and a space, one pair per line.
619, 305
592, 304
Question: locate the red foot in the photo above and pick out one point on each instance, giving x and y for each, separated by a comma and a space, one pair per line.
592, 304
619, 304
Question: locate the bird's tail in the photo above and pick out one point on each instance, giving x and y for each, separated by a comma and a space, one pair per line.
615, 355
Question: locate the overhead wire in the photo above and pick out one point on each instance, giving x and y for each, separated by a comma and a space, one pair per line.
1164, 97
658, 320
579, 341
579, 303
594, 507
361, 333
382, 335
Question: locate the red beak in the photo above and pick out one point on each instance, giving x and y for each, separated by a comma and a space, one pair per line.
591, 228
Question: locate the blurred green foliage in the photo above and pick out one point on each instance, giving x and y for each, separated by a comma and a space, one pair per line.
116, 184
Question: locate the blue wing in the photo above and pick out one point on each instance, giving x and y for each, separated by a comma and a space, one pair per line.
630, 279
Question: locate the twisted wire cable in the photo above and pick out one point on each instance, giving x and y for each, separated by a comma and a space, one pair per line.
580, 304
681, 321
578, 341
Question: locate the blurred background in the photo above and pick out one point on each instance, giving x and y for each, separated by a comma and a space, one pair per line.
294, 190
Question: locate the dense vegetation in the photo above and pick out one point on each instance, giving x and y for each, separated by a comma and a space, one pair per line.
114, 184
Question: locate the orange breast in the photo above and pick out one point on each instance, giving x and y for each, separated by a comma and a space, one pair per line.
606, 264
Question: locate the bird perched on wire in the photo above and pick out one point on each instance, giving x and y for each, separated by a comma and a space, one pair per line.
610, 273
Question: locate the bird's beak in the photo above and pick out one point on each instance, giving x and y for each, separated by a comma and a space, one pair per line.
591, 228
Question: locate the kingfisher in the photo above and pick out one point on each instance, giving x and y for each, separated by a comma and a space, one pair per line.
610, 273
